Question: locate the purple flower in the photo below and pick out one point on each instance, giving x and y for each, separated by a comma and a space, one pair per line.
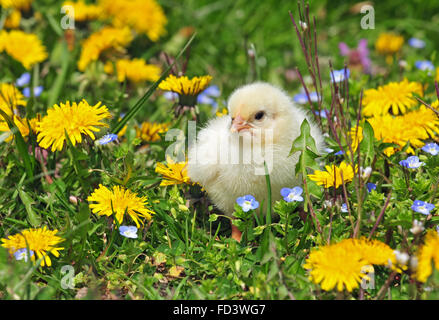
358, 56
23, 80
416, 43
371, 186
431, 148
411, 162
128, 232
422, 207
247, 202
339, 75
293, 194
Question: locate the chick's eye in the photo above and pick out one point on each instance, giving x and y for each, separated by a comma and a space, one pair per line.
259, 115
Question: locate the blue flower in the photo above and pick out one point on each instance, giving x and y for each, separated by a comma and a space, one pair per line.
344, 207
416, 43
169, 95
23, 80
329, 150
339, 153
431, 148
424, 65
422, 207
128, 232
21, 254
247, 203
322, 113
371, 186
110, 137
302, 98
291, 195
411, 162
339, 75
37, 91
208, 95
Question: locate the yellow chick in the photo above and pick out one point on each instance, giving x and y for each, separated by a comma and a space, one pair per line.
227, 158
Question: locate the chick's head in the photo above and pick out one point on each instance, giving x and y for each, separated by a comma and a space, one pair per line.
258, 107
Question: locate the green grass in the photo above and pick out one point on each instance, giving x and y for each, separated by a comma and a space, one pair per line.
186, 252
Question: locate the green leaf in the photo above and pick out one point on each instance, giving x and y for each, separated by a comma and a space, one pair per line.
306, 145
213, 217
21, 145
34, 219
367, 144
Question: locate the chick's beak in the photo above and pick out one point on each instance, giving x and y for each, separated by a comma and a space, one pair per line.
238, 124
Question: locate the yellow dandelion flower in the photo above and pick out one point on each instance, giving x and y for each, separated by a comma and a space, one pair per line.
121, 202
10, 98
373, 251
336, 266
144, 16
150, 132
106, 39
8, 135
428, 255
355, 137
83, 11
40, 242
412, 128
183, 86
172, 172
16, 4
13, 20
397, 96
26, 48
345, 264
135, 70
332, 176
389, 43
223, 112
75, 119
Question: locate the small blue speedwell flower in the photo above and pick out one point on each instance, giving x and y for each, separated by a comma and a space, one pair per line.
110, 137
339, 75
247, 203
128, 232
411, 162
37, 91
23, 80
293, 194
371, 186
21, 254
344, 208
431, 148
416, 43
422, 207
208, 95
302, 98
424, 65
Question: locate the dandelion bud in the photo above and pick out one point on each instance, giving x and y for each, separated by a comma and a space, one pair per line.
401, 257
418, 227
73, 200
303, 25
402, 64
365, 172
